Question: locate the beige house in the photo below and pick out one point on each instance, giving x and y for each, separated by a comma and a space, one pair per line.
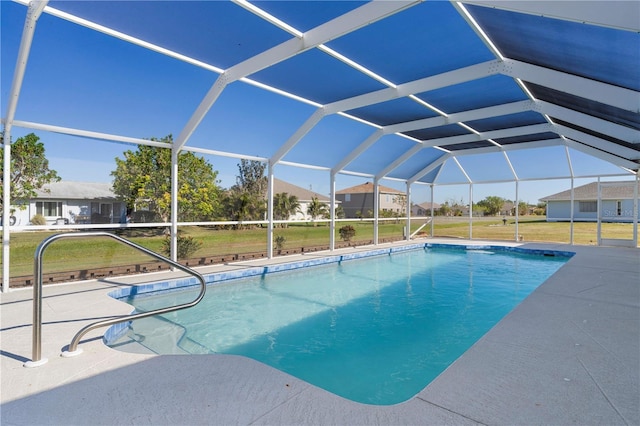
424, 209
357, 201
304, 197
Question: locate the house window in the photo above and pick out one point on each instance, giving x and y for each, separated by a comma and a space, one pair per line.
49, 208
347, 198
619, 207
588, 206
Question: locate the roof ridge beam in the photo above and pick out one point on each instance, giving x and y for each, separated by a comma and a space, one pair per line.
461, 117
609, 94
425, 84
587, 121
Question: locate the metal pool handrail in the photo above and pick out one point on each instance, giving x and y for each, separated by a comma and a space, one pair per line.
37, 359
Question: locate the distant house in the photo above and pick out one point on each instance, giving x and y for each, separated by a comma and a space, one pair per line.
357, 201
424, 209
617, 203
72, 202
304, 197
508, 209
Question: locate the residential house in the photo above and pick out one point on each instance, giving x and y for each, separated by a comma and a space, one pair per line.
67, 202
304, 197
424, 209
357, 201
617, 203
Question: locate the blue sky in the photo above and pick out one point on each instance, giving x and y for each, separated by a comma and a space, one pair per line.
82, 79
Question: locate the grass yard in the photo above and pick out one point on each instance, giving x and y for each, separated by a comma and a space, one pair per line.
532, 228
91, 253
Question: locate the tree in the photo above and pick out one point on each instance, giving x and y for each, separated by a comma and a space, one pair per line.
143, 179
284, 206
492, 205
246, 199
523, 208
316, 208
402, 201
445, 209
29, 169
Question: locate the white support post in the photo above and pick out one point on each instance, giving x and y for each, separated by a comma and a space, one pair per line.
376, 207
270, 212
566, 150
432, 211
635, 210
572, 213
6, 214
332, 233
175, 152
599, 204
471, 211
408, 211
517, 213
33, 13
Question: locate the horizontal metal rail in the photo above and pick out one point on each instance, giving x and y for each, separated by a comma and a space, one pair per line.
37, 295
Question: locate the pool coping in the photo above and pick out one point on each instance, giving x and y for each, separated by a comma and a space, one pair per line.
567, 354
216, 277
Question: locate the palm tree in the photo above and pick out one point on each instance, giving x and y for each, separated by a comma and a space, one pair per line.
317, 209
284, 206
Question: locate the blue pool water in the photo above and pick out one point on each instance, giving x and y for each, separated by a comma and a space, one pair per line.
375, 330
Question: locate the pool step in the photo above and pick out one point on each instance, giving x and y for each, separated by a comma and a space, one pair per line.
154, 334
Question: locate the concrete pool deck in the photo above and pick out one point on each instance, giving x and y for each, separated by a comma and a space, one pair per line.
568, 354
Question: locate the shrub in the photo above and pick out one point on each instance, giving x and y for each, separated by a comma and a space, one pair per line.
347, 232
38, 219
279, 241
187, 246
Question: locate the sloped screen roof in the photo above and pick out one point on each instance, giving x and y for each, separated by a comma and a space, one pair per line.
381, 89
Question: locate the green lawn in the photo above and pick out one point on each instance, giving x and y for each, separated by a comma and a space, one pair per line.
75, 254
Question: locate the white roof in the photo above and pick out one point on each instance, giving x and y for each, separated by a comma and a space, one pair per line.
69, 190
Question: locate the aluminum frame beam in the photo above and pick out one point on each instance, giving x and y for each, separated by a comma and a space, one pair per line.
598, 143
616, 96
450, 78
461, 117
343, 24
622, 15
589, 122
605, 156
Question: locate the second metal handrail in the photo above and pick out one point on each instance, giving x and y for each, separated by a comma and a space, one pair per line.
73, 346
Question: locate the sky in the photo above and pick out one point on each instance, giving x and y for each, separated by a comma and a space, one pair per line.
83, 79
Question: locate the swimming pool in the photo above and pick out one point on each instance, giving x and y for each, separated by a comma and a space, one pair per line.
374, 330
